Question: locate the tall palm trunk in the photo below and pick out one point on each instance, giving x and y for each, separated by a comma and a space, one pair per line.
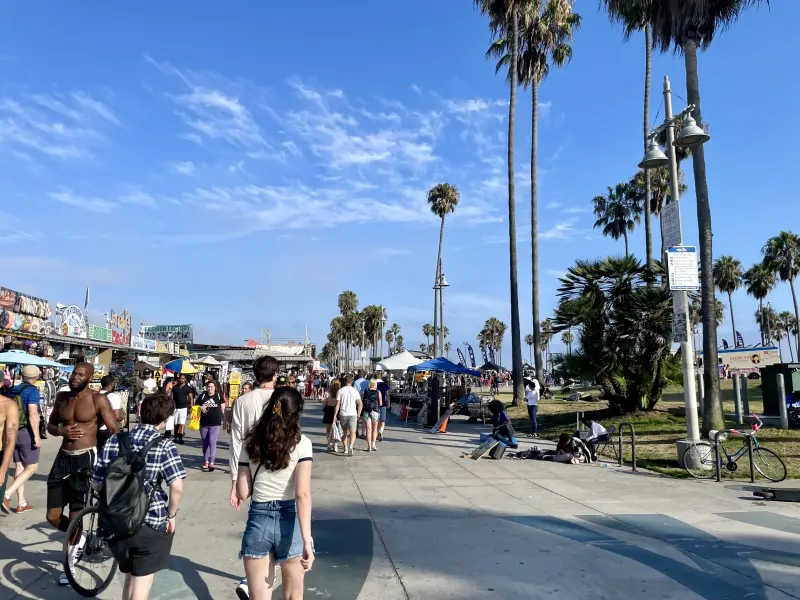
516, 347
761, 320
438, 278
648, 223
789, 343
712, 417
436, 291
537, 328
796, 316
625, 235
733, 321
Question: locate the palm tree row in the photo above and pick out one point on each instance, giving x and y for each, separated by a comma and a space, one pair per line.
353, 331
528, 37
491, 336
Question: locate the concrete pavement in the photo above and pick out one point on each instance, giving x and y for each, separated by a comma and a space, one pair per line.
418, 521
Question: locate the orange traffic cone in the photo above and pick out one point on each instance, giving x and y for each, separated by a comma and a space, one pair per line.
404, 412
443, 426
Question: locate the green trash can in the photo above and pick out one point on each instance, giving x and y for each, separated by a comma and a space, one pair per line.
769, 385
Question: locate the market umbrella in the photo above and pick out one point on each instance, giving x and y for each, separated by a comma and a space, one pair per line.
208, 361
143, 366
180, 365
18, 357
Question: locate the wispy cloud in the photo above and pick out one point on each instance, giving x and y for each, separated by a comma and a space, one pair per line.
91, 204
183, 168
472, 105
60, 126
576, 210
560, 231
553, 205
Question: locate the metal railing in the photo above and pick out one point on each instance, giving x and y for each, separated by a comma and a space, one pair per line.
718, 459
633, 443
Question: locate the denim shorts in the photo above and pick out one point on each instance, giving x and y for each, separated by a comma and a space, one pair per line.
371, 415
272, 530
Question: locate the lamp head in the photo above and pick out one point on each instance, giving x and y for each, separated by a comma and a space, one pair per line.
654, 157
691, 134
443, 282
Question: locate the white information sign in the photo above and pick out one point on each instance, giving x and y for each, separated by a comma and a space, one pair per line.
682, 268
671, 222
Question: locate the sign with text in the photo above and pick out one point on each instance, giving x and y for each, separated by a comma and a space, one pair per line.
142, 343
121, 328
671, 223
168, 333
682, 268
71, 322
99, 334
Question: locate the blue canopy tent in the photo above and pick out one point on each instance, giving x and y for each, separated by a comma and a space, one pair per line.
443, 365
18, 357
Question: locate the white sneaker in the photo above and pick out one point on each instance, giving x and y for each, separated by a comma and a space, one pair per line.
243, 590
336, 448
351, 451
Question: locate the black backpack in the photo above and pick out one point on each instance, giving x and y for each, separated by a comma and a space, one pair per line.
124, 500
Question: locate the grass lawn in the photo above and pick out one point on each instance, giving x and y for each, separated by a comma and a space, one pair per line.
657, 431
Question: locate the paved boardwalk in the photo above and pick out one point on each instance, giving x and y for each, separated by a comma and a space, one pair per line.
417, 520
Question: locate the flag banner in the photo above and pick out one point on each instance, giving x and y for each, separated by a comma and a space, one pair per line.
724, 344
461, 357
491, 355
483, 353
471, 356
739, 340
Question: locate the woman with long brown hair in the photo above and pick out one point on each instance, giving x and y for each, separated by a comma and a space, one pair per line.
328, 410
275, 469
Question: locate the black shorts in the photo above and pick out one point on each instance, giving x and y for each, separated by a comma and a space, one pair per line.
68, 482
144, 553
327, 414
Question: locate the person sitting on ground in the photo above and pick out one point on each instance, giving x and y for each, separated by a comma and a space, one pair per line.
568, 450
502, 429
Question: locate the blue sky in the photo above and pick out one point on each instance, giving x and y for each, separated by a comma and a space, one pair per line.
238, 166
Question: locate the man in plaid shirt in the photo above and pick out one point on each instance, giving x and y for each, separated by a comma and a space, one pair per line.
141, 556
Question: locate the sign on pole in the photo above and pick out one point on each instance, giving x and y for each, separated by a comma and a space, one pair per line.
679, 330
682, 268
671, 224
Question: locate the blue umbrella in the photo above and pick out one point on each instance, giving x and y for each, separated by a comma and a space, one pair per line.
18, 357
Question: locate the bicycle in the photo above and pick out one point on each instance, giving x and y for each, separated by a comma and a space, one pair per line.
90, 569
700, 460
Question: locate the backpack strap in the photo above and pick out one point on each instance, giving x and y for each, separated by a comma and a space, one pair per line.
149, 446
124, 441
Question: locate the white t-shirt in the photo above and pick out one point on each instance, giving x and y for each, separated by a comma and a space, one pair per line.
348, 398
115, 401
597, 430
278, 485
246, 413
532, 396
149, 385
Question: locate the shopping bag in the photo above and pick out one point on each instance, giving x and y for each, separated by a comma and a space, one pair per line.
336, 433
194, 422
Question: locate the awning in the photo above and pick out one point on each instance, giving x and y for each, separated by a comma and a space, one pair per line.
398, 362
19, 357
442, 365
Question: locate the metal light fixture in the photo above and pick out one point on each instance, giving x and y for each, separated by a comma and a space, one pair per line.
443, 282
691, 134
655, 157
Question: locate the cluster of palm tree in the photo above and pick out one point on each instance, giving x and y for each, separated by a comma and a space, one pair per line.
429, 331
781, 262
491, 336
353, 331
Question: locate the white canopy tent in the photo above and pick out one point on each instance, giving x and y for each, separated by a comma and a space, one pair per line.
398, 362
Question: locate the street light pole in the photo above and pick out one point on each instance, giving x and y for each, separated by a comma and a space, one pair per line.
687, 351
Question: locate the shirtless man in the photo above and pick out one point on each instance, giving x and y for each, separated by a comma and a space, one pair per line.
9, 424
75, 417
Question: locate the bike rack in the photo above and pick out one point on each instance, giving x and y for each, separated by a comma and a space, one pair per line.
718, 459
633, 442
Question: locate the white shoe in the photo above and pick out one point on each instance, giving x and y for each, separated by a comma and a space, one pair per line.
62, 580
351, 452
336, 448
243, 590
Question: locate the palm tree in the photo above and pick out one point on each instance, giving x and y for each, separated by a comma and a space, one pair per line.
782, 256
399, 344
759, 281
685, 26
634, 18
767, 320
504, 21
389, 337
427, 331
567, 338
443, 199
728, 278
372, 325
547, 30
547, 336
529, 342
395, 331
787, 325
617, 212
447, 347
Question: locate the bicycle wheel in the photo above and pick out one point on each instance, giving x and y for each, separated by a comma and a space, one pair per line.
699, 461
769, 464
90, 568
